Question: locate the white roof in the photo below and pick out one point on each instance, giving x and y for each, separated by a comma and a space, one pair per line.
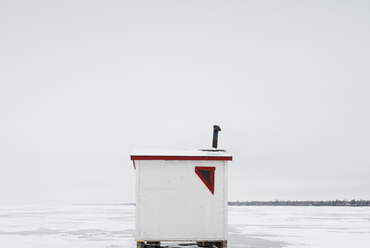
183, 152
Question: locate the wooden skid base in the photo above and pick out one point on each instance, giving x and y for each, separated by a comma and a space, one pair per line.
142, 244
218, 244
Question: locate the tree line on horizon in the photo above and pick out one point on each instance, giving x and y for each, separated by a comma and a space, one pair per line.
351, 203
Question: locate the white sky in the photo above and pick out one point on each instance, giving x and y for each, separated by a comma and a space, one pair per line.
84, 82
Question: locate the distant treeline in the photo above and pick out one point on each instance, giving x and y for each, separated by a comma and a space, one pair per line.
353, 203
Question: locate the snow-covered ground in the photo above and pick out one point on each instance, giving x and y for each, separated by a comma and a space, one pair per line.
318, 227
113, 226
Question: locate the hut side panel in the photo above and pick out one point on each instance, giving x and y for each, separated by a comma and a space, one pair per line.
173, 203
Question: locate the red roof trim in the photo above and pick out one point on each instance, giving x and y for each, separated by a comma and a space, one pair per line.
134, 157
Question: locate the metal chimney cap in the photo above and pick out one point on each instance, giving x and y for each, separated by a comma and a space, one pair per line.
216, 128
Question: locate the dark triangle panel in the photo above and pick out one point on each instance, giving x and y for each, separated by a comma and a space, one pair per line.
207, 175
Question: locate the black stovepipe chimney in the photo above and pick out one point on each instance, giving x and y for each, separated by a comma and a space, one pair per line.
215, 135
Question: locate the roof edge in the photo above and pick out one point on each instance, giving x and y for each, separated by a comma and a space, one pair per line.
161, 157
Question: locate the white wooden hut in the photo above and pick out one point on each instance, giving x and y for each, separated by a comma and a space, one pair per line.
181, 195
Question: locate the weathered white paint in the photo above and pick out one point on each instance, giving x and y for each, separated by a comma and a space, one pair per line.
173, 204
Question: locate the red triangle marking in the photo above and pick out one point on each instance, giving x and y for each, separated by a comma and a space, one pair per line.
210, 186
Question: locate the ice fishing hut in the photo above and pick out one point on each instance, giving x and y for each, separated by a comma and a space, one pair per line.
181, 195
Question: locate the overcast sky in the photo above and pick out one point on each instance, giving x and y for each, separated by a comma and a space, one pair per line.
84, 82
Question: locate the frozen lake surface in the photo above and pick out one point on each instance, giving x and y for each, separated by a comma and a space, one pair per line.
113, 226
